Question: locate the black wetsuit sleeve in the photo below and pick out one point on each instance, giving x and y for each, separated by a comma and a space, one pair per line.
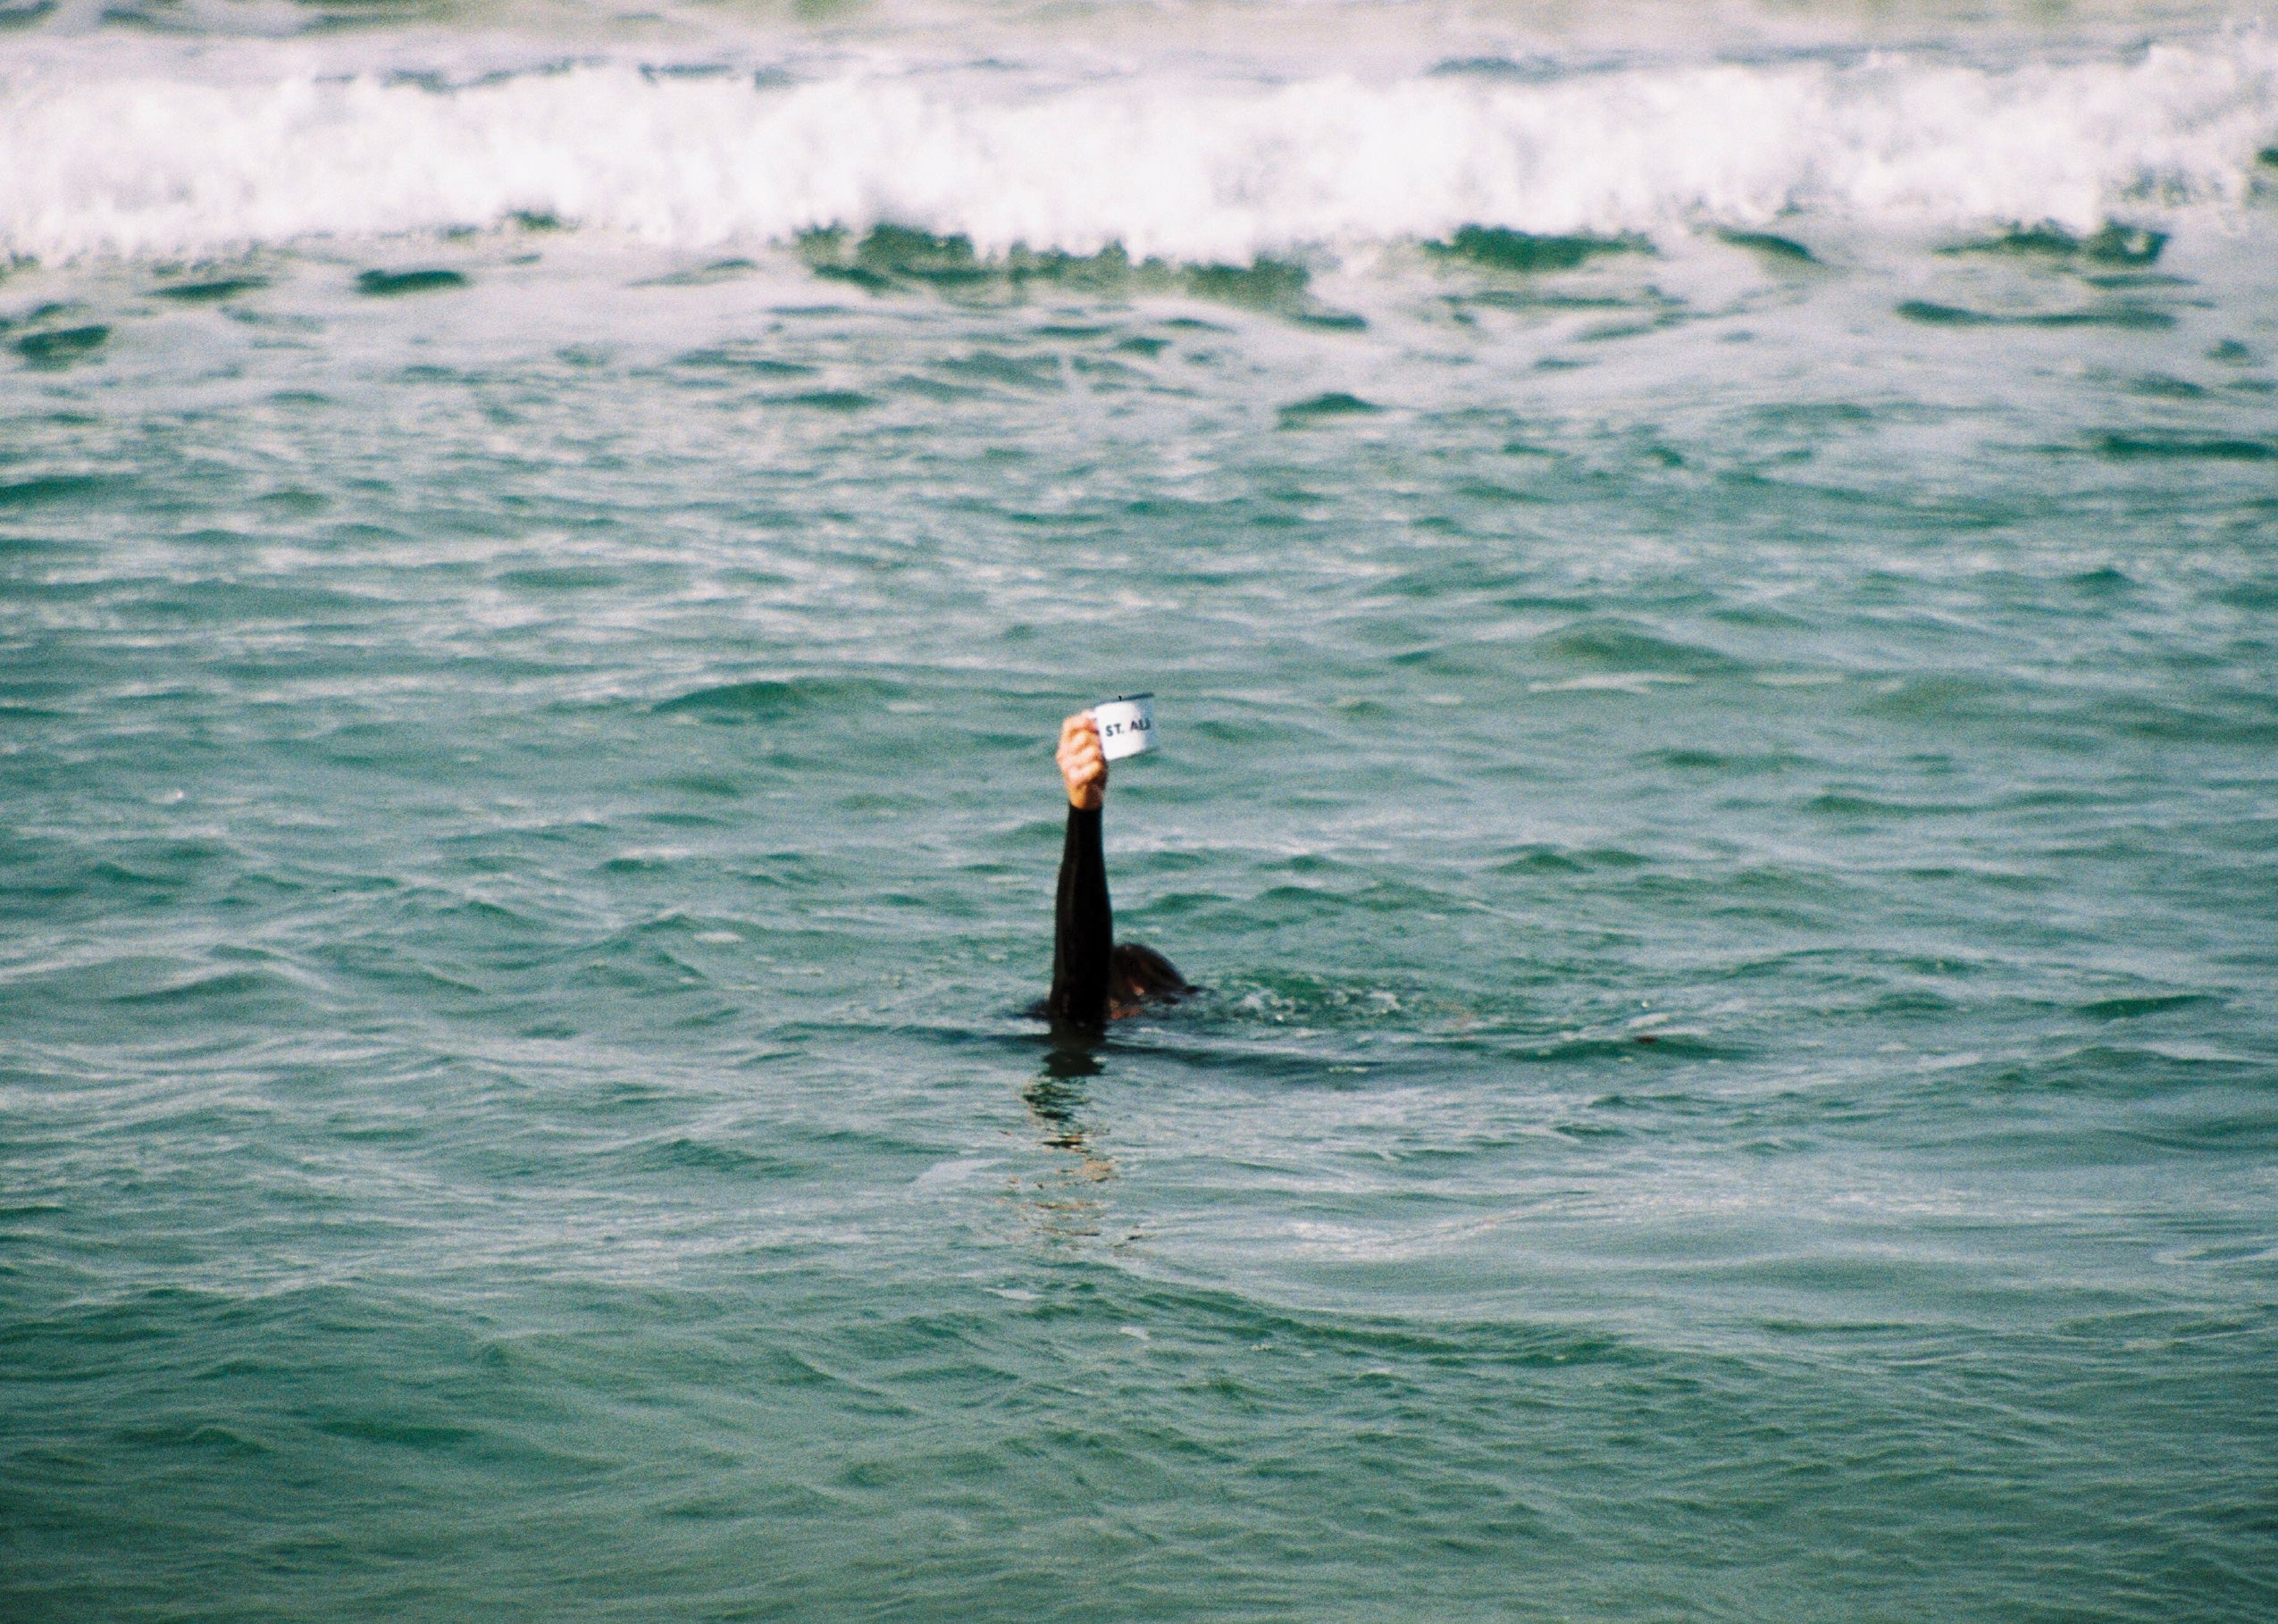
1084, 927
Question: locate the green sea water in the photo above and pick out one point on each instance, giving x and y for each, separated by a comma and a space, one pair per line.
1721, 783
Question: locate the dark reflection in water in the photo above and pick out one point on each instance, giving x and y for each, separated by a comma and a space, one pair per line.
1056, 1095
1065, 1204
1070, 1059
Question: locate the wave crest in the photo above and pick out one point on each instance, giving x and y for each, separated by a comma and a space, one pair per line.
190, 160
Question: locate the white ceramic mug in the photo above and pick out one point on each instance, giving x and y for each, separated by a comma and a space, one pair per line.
1126, 726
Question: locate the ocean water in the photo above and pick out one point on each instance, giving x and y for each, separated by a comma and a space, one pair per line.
1709, 578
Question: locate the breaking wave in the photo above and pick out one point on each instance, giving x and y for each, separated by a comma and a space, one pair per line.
242, 145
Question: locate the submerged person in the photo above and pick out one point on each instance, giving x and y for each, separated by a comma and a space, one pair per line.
1096, 978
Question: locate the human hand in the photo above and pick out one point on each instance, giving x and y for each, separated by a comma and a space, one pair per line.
1081, 762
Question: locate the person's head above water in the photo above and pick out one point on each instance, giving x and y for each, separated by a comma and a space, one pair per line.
1137, 976
1086, 971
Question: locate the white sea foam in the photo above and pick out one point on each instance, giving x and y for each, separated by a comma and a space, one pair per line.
239, 144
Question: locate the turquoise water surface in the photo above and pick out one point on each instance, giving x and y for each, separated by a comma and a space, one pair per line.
1717, 723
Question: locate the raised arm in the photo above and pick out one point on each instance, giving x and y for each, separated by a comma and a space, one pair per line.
1084, 940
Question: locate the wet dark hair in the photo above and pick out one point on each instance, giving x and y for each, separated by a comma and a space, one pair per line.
1140, 975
